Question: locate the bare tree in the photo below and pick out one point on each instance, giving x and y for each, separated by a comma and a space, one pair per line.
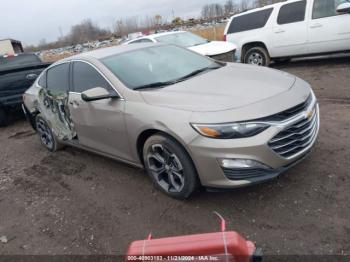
85, 31
212, 10
158, 19
243, 5
42, 43
261, 3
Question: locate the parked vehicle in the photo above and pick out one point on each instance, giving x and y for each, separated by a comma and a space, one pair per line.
17, 73
292, 28
218, 50
189, 120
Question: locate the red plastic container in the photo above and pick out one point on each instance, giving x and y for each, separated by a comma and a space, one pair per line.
221, 246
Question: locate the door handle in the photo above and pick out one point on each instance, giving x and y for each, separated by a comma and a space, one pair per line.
316, 26
31, 76
279, 31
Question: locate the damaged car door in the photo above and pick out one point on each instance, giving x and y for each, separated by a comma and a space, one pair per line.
99, 123
53, 101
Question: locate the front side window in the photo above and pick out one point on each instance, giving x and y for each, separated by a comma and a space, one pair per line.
250, 21
58, 79
325, 8
156, 64
86, 77
184, 39
292, 13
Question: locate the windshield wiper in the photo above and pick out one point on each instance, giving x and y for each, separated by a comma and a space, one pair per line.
196, 72
166, 83
153, 85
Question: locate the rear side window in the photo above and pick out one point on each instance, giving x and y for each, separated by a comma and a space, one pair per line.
57, 79
292, 13
250, 21
86, 77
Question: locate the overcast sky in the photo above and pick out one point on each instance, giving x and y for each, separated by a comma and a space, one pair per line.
32, 20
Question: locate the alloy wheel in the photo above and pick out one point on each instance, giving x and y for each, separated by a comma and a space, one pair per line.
166, 168
45, 133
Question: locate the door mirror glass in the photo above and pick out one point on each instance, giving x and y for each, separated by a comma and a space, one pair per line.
343, 8
97, 93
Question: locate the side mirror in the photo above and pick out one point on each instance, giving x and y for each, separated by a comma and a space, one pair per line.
344, 8
97, 93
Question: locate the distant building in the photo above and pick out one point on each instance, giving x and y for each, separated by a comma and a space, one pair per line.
10, 47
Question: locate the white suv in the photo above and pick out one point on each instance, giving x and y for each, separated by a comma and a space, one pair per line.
290, 29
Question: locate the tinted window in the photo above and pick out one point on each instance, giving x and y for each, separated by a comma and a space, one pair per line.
18, 60
291, 13
42, 80
325, 8
57, 79
250, 21
86, 77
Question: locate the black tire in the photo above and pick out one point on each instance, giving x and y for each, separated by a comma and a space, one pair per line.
179, 172
4, 119
257, 56
47, 137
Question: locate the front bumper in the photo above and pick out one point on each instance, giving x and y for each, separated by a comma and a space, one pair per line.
225, 57
205, 153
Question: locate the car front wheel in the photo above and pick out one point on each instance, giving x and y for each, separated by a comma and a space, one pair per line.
170, 167
257, 56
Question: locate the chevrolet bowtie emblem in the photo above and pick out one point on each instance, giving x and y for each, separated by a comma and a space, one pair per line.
309, 114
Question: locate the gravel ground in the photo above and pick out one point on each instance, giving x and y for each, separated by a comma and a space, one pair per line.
74, 202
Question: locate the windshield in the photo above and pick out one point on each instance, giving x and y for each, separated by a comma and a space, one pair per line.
185, 39
18, 60
157, 64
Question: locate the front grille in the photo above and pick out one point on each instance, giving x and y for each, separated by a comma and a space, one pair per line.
289, 112
296, 137
225, 57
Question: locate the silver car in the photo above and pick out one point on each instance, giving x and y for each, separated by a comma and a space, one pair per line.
189, 120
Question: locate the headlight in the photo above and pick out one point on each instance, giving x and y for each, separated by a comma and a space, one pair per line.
230, 131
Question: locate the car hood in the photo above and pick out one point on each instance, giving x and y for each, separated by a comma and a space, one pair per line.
213, 48
232, 86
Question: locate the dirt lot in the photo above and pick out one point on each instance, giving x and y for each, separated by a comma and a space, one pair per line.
74, 202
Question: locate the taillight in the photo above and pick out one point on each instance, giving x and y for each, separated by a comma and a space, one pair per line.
225, 38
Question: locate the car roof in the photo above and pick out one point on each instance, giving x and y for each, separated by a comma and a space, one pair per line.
166, 33
264, 7
111, 51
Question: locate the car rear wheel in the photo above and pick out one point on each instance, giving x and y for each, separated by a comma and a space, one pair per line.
170, 167
4, 120
257, 56
47, 138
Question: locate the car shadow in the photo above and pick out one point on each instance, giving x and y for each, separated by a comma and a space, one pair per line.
333, 60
